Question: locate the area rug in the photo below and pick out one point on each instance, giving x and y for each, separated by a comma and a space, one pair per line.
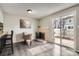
39, 49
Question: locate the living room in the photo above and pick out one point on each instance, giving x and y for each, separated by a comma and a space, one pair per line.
27, 19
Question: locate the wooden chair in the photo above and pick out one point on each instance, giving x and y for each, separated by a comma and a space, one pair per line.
27, 39
9, 41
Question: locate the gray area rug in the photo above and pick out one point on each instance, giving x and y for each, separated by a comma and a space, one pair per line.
39, 49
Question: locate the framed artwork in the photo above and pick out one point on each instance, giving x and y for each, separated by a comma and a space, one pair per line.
25, 23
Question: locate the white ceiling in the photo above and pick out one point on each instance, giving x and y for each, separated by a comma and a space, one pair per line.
39, 9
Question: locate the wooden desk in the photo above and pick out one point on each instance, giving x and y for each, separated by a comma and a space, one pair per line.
2, 41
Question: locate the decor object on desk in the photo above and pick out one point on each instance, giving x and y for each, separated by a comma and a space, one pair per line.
25, 23
1, 27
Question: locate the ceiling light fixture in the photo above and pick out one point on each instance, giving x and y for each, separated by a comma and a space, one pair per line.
29, 11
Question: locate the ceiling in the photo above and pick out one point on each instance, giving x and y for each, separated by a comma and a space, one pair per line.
39, 10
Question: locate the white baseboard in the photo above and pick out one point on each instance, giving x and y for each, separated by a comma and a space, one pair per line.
18, 41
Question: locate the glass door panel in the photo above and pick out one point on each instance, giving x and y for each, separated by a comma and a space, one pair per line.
57, 48
67, 32
57, 30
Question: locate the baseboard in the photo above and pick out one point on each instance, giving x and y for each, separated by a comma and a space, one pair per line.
18, 42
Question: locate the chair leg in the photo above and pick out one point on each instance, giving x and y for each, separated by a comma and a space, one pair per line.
12, 47
0, 51
12, 50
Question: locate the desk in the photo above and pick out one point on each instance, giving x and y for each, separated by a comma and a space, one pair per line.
2, 41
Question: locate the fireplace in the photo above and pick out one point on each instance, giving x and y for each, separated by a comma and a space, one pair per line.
40, 35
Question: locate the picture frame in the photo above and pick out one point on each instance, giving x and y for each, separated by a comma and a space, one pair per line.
25, 23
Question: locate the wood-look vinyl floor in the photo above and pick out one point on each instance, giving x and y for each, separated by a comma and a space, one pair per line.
39, 49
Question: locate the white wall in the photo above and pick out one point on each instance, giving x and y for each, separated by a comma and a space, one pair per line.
1, 19
46, 23
12, 22
1, 16
77, 28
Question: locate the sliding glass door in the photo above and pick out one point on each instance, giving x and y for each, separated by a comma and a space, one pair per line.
64, 31
63, 28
